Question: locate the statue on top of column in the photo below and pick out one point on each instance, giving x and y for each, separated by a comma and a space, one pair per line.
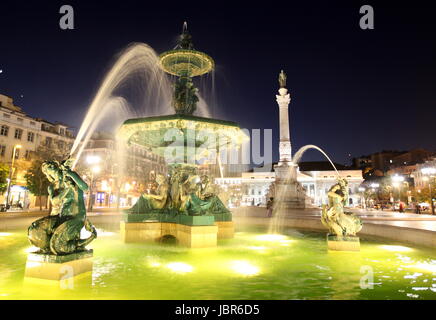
282, 79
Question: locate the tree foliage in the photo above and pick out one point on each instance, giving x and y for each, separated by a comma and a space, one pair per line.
36, 181
4, 173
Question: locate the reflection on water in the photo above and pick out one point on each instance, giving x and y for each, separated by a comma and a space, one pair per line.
253, 265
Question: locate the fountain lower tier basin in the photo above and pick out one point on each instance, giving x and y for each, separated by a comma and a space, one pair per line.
253, 265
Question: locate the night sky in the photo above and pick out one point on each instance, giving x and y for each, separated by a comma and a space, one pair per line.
353, 91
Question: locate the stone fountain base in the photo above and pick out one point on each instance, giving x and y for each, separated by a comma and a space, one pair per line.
190, 231
53, 267
343, 243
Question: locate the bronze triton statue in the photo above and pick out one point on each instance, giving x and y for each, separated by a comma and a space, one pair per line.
59, 233
333, 216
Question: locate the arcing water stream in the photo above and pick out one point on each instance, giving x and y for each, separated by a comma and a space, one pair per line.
138, 61
291, 185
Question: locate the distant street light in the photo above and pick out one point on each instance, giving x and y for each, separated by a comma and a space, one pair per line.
362, 197
375, 186
430, 172
397, 181
92, 160
11, 170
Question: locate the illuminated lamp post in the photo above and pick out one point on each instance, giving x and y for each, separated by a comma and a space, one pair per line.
375, 187
95, 169
362, 197
397, 181
430, 173
11, 171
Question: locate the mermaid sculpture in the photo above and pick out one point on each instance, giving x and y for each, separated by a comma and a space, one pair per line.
59, 233
333, 216
199, 198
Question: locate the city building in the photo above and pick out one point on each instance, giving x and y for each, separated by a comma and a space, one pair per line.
118, 174
315, 177
30, 137
25, 134
420, 179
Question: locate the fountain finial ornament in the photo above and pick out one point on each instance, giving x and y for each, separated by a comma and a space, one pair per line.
185, 63
282, 79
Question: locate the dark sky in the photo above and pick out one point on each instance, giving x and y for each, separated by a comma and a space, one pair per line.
353, 91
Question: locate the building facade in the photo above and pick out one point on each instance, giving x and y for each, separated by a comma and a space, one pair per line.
25, 134
124, 172
316, 179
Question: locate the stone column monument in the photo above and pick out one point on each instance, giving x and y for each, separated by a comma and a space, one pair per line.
289, 194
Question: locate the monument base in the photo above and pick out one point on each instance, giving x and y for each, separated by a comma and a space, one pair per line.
53, 267
343, 243
289, 192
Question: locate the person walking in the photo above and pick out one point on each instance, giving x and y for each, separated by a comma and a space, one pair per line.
401, 207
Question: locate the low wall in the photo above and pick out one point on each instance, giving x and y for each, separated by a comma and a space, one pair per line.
413, 236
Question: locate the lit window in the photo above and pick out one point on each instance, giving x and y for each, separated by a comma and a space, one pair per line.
18, 134
4, 130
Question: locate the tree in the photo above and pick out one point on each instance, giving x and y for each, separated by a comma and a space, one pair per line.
36, 181
4, 173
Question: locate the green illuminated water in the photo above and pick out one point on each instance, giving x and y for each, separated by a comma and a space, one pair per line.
250, 266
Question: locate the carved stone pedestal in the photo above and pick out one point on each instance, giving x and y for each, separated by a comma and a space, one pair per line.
189, 231
343, 243
187, 235
52, 267
226, 229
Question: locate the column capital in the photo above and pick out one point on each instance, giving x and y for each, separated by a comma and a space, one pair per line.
283, 101
284, 98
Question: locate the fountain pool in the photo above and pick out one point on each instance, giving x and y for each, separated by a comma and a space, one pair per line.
253, 265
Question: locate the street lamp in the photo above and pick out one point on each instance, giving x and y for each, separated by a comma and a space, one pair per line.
375, 187
362, 197
430, 171
397, 181
11, 170
95, 169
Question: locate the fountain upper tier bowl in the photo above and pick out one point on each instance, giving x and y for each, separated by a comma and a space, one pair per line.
182, 133
184, 62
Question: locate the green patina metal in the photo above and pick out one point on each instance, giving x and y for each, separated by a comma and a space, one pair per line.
207, 220
333, 217
183, 196
185, 63
59, 233
188, 136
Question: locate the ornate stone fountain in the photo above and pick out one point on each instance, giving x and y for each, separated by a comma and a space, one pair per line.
183, 205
